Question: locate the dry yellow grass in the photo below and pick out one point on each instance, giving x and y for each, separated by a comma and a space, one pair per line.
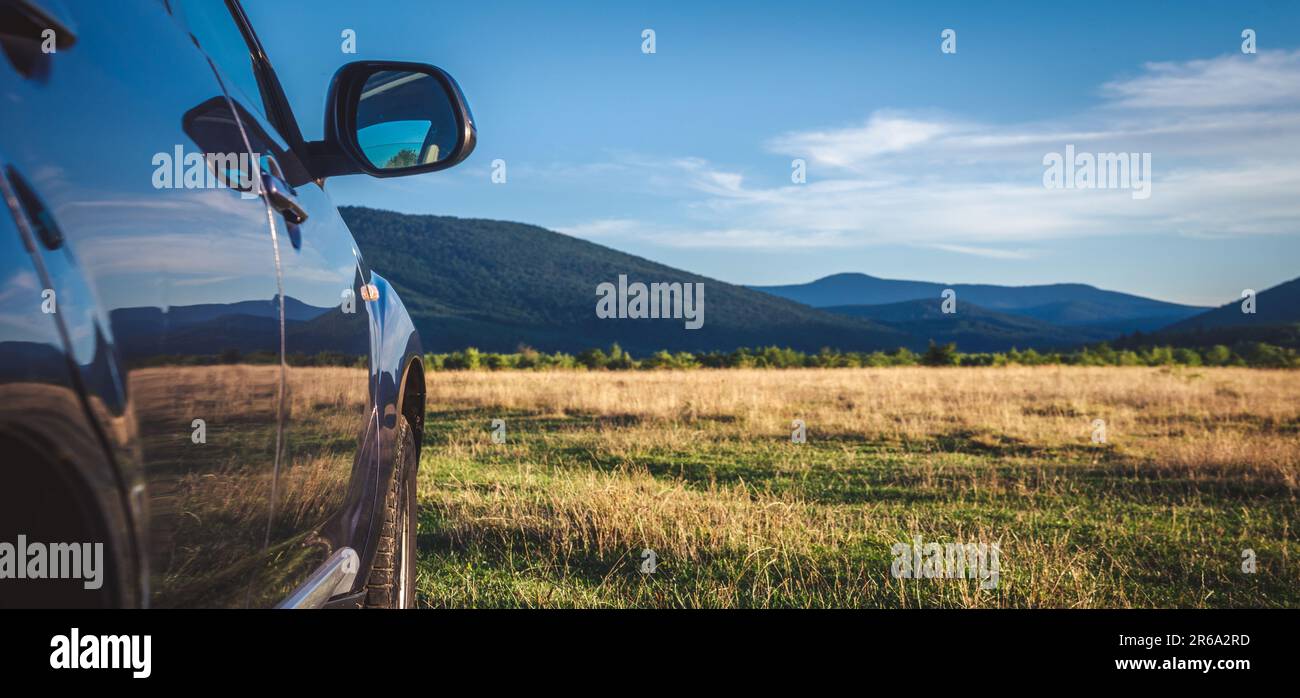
1198, 465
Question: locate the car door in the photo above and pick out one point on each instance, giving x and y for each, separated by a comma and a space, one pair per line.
327, 472
163, 272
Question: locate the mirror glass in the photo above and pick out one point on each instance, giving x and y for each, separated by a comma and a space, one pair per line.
405, 119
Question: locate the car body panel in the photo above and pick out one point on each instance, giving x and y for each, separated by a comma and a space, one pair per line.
199, 326
150, 272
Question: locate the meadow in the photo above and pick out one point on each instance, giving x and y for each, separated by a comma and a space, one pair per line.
1193, 482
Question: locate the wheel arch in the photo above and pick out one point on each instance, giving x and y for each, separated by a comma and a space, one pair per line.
411, 398
66, 474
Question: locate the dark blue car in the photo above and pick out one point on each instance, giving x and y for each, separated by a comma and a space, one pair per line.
207, 398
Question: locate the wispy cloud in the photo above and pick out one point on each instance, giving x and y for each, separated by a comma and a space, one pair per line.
1229, 82
602, 228
1226, 162
989, 252
883, 133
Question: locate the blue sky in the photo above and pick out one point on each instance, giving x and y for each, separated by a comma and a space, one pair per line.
920, 164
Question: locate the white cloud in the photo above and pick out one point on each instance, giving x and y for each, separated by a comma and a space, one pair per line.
1231, 82
989, 252
1223, 165
601, 228
882, 134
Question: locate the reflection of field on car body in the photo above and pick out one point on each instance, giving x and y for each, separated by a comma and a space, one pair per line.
209, 500
1198, 466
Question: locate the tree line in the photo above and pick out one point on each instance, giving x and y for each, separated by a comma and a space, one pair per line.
1246, 354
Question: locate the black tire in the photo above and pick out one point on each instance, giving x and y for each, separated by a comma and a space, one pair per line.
391, 583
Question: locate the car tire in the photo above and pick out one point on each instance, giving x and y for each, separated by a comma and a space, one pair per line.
391, 583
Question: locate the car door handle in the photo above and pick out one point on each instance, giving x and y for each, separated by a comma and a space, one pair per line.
279, 194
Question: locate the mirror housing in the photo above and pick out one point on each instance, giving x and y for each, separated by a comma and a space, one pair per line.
440, 104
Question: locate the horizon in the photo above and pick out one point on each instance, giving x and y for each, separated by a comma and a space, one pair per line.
828, 274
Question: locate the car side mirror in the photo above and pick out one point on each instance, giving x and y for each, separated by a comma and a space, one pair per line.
392, 119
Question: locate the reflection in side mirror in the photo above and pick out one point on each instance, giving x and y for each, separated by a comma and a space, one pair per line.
404, 119
390, 119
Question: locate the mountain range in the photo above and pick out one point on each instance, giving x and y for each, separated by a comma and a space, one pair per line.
972, 327
497, 285
1275, 320
1089, 310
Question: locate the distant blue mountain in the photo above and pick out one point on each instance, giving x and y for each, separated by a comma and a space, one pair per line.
1276, 320
1279, 305
1093, 312
972, 328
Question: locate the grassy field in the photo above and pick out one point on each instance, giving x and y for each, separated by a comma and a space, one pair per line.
1198, 465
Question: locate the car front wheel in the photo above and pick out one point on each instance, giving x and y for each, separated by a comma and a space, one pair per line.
392, 576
